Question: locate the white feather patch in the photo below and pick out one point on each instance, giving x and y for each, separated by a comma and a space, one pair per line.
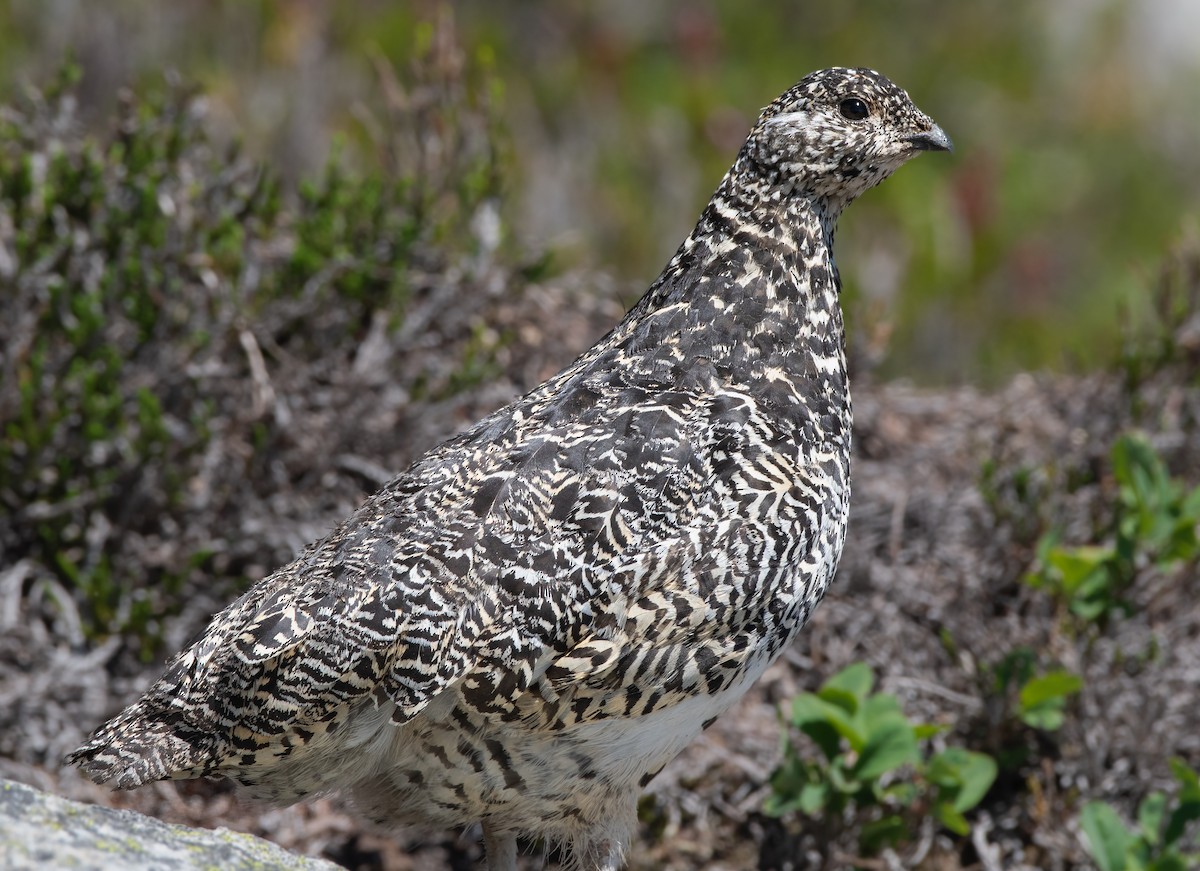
791, 119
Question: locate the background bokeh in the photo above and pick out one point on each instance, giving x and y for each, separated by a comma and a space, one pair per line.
1078, 141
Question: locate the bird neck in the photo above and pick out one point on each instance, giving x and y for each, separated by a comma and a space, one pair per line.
754, 288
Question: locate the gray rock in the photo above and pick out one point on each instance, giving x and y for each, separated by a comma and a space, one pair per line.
43, 831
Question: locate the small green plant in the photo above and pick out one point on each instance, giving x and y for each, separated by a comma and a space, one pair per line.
1026, 696
1155, 521
1037, 700
1156, 330
1016, 494
1159, 841
871, 769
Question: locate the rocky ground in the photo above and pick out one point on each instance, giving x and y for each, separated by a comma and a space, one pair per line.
38, 830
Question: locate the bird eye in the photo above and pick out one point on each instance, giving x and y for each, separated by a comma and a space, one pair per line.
854, 109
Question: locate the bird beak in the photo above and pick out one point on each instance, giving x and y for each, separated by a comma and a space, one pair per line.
933, 139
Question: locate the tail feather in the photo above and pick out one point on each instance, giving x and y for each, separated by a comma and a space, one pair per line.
143, 745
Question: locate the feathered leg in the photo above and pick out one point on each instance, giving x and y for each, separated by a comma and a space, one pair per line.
604, 848
611, 856
501, 847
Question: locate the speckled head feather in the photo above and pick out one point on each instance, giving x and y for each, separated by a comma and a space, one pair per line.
837, 133
527, 625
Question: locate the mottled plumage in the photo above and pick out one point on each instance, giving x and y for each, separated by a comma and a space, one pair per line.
525, 626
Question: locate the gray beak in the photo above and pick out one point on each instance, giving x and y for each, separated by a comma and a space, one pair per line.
933, 139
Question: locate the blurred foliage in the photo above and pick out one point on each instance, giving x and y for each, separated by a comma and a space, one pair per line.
1165, 334
1037, 699
1026, 700
1147, 524
1155, 522
99, 240
1075, 166
1040, 684
1164, 838
152, 277
874, 779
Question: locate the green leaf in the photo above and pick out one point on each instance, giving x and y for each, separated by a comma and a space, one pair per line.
902, 793
844, 779
1133, 458
1089, 609
856, 679
945, 813
777, 805
807, 708
1150, 814
813, 798
1048, 717
814, 716
1182, 542
889, 747
1188, 809
1042, 699
879, 709
1105, 836
843, 699
1052, 686
1015, 668
924, 731
1186, 813
1190, 506
978, 773
790, 777
1078, 564
825, 736
942, 769
790, 783
1173, 862
886, 832
1189, 780
797, 784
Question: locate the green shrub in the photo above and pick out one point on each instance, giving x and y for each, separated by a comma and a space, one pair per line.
1160, 839
162, 290
872, 770
1036, 699
1028, 701
1159, 336
1155, 521
110, 241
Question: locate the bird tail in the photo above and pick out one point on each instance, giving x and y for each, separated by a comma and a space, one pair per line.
143, 744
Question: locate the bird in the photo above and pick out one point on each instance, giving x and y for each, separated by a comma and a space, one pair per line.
522, 629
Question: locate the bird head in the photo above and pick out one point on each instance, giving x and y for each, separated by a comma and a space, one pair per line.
836, 133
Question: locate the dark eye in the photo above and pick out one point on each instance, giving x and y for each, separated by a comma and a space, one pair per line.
854, 109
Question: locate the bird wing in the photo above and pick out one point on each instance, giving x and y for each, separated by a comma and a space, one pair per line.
495, 556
